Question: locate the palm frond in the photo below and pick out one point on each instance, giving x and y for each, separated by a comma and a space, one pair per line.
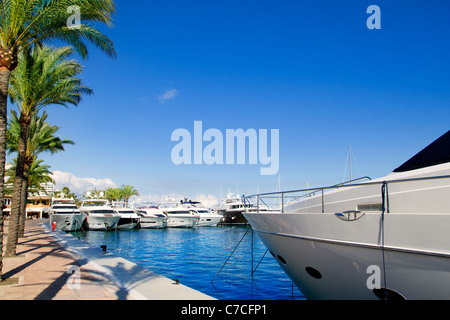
41, 137
25, 23
45, 76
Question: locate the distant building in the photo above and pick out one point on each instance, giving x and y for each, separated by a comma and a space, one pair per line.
49, 189
38, 203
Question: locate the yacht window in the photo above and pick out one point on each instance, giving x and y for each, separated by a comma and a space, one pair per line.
102, 211
178, 212
64, 207
370, 207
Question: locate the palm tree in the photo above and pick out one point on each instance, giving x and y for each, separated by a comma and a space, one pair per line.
65, 190
44, 76
38, 174
26, 23
41, 138
113, 194
128, 191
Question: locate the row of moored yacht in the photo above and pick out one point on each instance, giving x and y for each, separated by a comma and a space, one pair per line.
100, 214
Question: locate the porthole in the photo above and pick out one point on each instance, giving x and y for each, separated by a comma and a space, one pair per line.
313, 272
281, 259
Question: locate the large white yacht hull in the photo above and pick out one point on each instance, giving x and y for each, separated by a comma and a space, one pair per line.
345, 260
181, 221
350, 249
127, 224
153, 222
67, 222
101, 222
209, 220
128, 221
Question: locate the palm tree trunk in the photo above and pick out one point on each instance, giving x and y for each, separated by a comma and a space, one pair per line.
15, 208
4, 82
24, 200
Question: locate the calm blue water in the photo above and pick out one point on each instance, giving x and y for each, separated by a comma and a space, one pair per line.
195, 256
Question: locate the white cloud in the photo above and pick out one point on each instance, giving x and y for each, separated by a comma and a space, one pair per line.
169, 94
208, 200
80, 185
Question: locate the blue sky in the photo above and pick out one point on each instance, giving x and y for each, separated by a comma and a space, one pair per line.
311, 69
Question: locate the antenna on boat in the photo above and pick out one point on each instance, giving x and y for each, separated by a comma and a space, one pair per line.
350, 161
279, 188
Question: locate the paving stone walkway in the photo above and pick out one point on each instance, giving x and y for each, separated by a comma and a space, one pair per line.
43, 270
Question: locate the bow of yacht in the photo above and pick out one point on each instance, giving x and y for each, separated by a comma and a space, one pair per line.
387, 238
65, 213
99, 214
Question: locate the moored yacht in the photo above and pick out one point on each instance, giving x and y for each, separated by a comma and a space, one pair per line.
150, 216
387, 238
178, 217
99, 214
207, 218
65, 214
231, 209
128, 217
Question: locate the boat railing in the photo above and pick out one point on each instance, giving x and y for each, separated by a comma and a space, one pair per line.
289, 197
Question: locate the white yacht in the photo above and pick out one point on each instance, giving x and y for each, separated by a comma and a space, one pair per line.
207, 218
150, 216
231, 209
128, 217
387, 238
178, 217
65, 214
99, 214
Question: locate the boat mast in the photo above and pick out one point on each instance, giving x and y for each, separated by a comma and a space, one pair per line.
350, 161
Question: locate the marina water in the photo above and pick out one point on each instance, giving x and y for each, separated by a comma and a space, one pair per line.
200, 258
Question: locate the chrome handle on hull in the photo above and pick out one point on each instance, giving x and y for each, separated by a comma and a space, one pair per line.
350, 215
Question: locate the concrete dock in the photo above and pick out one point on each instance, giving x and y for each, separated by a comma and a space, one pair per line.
58, 266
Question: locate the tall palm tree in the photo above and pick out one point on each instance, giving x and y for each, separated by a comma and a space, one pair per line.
128, 191
43, 77
26, 23
41, 138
